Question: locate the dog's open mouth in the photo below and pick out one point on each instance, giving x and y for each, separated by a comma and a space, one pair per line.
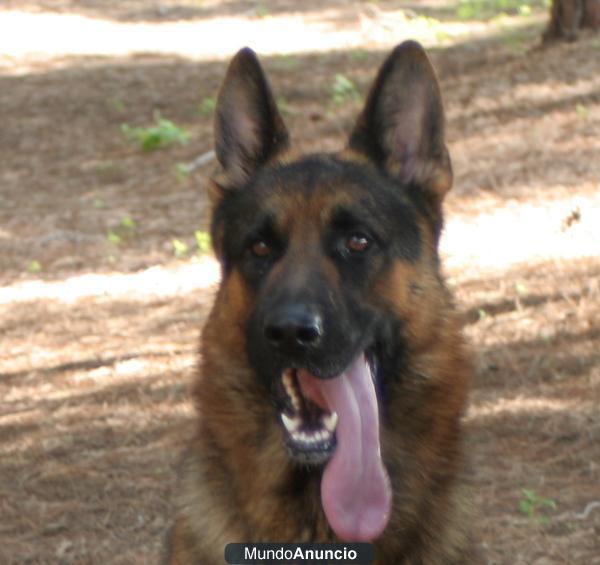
309, 424
336, 420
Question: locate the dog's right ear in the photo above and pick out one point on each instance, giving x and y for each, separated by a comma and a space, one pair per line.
401, 128
249, 130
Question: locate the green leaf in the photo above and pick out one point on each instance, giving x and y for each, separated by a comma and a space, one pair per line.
34, 266
283, 105
117, 105
208, 105
128, 223
114, 237
261, 11
343, 90
529, 494
180, 248
162, 134
522, 290
525, 507
203, 242
581, 111
182, 171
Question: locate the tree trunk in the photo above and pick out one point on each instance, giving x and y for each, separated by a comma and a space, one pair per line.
567, 17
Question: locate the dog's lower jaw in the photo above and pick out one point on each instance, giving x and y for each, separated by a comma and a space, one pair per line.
309, 429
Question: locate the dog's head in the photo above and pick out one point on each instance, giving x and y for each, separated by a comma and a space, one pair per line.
336, 256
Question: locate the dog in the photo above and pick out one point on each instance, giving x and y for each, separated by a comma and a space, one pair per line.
333, 371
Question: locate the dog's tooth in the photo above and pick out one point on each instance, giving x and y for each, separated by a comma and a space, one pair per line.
290, 389
295, 401
291, 424
287, 383
330, 421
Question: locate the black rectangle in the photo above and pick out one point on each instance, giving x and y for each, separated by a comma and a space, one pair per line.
299, 553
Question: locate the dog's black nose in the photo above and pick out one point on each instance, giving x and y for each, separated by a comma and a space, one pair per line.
293, 327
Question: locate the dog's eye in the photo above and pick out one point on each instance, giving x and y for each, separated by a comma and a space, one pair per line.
358, 243
260, 248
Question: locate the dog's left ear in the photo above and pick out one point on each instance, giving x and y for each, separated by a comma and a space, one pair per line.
249, 130
401, 128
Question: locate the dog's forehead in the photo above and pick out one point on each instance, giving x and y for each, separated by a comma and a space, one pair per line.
314, 187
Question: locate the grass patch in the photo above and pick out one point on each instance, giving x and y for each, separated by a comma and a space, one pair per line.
203, 242
126, 230
34, 267
488, 9
343, 90
180, 248
535, 507
162, 134
208, 105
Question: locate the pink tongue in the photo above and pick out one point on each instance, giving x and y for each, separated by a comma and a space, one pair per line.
355, 489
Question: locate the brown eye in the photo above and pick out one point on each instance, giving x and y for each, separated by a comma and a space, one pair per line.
358, 243
260, 249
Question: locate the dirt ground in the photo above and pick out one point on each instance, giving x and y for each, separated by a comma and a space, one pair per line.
99, 332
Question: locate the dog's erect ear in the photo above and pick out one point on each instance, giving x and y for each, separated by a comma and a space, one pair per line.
401, 127
249, 130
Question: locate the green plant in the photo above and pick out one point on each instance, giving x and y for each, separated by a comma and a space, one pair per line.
287, 61
441, 35
534, 506
343, 90
524, 10
487, 9
208, 105
359, 54
581, 111
180, 248
98, 203
516, 42
182, 171
34, 266
521, 288
128, 224
125, 230
113, 237
117, 105
283, 105
261, 11
203, 242
162, 134
427, 21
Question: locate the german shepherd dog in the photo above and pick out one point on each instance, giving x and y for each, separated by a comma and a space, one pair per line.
333, 372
